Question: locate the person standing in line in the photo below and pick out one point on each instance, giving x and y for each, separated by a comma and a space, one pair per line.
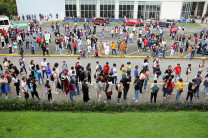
123, 71
206, 85
179, 89
43, 66
201, 66
48, 87
146, 77
54, 79
154, 91
109, 89
177, 71
191, 90
137, 86
188, 72
25, 88
198, 82
170, 86
119, 88
16, 82
64, 66
128, 68
126, 83
99, 87
123, 47
142, 78
114, 71
85, 89
33, 88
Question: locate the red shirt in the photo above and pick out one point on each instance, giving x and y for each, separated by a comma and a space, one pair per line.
177, 70
171, 86
106, 69
127, 35
196, 38
39, 39
172, 47
146, 42
75, 44
145, 28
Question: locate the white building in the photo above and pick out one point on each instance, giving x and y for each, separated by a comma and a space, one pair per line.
159, 9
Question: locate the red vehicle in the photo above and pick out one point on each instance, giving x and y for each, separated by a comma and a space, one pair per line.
134, 22
101, 21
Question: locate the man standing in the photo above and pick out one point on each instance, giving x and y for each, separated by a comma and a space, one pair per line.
43, 66
137, 86
123, 47
113, 47
126, 83
177, 71
106, 69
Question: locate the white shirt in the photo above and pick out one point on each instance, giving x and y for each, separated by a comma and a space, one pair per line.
24, 85
43, 64
89, 48
114, 71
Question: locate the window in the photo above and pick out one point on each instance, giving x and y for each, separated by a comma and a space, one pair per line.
186, 10
6, 22
1, 22
88, 8
126, 9
70, 7
107, 8
147, 10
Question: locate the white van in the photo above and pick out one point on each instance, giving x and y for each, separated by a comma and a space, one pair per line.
4, 22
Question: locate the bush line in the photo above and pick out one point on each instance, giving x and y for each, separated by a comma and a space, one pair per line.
94, 106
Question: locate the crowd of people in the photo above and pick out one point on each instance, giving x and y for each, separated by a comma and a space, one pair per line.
73, 36
73, 79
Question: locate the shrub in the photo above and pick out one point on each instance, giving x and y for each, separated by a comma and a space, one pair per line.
94, 106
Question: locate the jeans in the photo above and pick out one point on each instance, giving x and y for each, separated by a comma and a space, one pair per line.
163, 54
24, 68
71, 96
179, 75
129, 72
52, 30
115, 79
178, 95
189, 56
197, 92
123, 76
102, 35
205, 90
77, 86
203, 53
136, 95
155, 97
79, 47
164, 92
130, 40
44, 72
61, 51
40, 77
145, 83
27, 44
114, 50
126, 89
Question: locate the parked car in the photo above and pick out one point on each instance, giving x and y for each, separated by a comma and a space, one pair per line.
166, 23
149, 22
134, 22
101, 21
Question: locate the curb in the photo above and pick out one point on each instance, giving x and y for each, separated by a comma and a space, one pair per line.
8, 55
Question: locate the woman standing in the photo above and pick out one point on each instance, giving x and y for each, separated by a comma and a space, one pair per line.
169, 85
4, 86
71, 89
179, 89
88, 70
38, 70
123, 71
16, 82
48, 90
106, 47
85, 89
109, 89
99, 87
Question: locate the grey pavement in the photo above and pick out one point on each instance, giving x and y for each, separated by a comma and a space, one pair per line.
135, 61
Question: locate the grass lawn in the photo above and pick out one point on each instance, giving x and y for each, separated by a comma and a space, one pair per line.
188, 25
67, 124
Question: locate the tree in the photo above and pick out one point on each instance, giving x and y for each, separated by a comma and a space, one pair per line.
11, 7
3, 9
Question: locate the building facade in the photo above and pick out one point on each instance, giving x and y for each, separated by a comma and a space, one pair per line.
157, 9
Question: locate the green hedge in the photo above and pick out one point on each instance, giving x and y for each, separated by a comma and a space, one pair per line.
34, 105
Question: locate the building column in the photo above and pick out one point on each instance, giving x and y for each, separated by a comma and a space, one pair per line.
135, 10
205, 8
78, 8
116, 9
97, 14
196, 9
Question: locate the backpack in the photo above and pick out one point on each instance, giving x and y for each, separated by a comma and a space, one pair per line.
51, 77
117, 86
155, 89
111, 71
35, 74
31, 87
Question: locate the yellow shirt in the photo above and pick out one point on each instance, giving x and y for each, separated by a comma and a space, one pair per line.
180, 86
123, 71
113, 46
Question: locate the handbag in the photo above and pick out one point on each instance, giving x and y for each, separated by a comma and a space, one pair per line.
58, 85
109, 93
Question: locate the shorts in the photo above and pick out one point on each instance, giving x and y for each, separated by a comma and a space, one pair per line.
169, 91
